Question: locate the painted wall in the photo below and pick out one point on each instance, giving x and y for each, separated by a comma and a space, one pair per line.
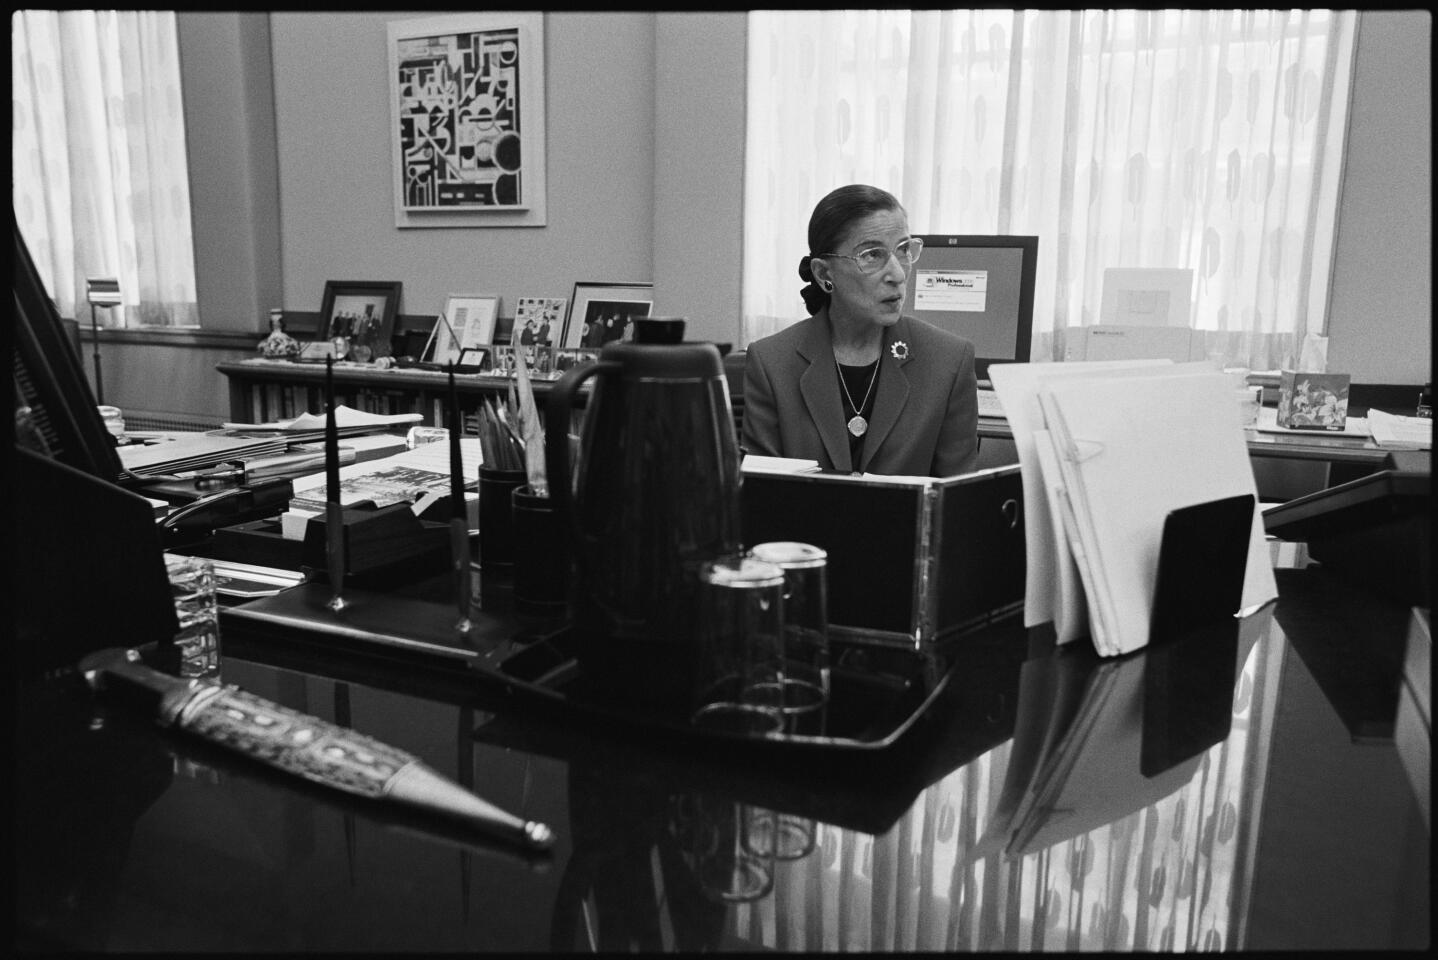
333, 128
645, 176
699, 170
1380, 316
228, 87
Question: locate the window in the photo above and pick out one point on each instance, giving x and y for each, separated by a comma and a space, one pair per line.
100, 182
1205, 139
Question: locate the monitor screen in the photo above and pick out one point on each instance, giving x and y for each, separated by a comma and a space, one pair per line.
981, 288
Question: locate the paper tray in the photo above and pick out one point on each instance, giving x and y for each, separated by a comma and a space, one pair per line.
878, 695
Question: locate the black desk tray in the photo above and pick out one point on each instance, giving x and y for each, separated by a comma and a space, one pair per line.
878, 695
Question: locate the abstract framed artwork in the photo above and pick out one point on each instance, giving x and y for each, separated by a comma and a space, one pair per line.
467, 108
600, 313
361, 312
466, 323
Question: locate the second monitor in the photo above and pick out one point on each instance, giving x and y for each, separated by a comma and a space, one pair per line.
981, 288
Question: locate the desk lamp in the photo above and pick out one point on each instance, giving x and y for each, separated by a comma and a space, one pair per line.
101, 292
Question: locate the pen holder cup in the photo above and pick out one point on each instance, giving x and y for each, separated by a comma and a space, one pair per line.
541, 554
496, 518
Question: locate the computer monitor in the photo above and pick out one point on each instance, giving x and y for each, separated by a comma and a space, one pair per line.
981, 288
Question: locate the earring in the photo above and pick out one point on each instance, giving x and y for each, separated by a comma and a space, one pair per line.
827, 285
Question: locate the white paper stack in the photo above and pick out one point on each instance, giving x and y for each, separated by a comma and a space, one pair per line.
1401, 433
1107, 451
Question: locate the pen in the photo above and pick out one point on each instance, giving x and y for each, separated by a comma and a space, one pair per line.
305, 746
334, 511
458, 521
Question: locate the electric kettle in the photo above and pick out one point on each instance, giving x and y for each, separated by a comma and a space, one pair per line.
652, 494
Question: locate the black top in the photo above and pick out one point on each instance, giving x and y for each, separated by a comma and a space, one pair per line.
862, 384
1296, 829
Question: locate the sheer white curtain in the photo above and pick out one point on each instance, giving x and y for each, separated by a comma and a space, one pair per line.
1208, 139
100, 180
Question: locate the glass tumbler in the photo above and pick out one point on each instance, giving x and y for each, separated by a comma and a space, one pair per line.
806, 632
739, 653
192, 586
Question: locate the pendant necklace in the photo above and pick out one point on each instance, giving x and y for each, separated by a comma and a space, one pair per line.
858, 426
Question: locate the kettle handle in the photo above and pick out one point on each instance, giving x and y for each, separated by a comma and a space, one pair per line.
557, 409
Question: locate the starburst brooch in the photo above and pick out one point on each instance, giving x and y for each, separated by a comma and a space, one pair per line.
899, 349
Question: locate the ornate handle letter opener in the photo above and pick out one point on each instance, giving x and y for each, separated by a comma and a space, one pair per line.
303, 745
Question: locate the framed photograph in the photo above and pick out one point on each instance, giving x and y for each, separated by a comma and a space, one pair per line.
466, 322
471, 360
363, 312
316, 351
539, 321
601, 313
467, 114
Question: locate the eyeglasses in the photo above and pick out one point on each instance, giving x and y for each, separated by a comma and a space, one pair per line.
874, 259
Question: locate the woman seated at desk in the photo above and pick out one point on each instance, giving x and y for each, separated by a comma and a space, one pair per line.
858, 386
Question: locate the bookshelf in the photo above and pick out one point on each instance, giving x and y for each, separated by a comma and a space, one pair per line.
262, 391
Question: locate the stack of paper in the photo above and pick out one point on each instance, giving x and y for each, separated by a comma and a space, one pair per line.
1401, 433
346, 419
180, 452
419, 477
1107, 450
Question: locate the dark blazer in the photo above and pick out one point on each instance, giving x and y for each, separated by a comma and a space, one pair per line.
926, 414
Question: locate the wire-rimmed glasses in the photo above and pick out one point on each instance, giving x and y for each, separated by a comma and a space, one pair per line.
874, 259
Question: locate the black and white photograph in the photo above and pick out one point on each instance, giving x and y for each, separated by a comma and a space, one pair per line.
601, 313
870, 481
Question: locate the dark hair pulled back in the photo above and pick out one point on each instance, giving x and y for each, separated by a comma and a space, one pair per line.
830, 220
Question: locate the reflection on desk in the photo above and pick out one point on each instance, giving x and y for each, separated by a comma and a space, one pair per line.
1282, 833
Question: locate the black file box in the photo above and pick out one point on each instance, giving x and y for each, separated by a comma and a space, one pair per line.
911, 561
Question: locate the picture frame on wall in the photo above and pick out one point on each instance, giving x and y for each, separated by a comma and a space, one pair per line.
467, 322
467, 120
601, 313
361, 314
539, 321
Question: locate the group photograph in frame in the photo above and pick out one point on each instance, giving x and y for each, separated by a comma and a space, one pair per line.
467, 114
466, 323
601, 313
361, 313
539, 321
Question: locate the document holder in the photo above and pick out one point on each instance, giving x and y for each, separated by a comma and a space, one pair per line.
1201, 564
911, 560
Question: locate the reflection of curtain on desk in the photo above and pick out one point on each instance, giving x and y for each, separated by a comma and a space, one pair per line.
1174, 875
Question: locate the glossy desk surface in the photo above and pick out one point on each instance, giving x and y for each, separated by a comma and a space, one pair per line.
1292, 825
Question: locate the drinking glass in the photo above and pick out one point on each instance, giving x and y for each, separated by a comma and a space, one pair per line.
192, 586
739, 655
806, 632
709, 831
